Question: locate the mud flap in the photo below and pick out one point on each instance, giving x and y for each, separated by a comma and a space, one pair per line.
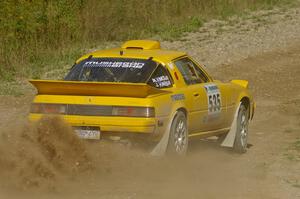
230, 138
161, 148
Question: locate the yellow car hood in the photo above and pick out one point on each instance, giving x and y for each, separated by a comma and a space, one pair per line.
54, 87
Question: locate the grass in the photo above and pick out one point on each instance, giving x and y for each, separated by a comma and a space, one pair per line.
39, 36
11, 88
296, 185
293, 151
173, 32
296, 145
289, 130
293, 183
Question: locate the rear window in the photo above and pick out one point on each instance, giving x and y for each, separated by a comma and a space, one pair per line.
112, 70
160, 78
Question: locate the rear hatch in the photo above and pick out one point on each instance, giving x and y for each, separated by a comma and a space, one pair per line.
115, 94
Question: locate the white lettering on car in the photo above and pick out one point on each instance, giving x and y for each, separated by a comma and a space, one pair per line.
161, 81
107, 64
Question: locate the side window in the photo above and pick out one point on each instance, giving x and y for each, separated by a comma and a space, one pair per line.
201, 74
191, 73
160, 78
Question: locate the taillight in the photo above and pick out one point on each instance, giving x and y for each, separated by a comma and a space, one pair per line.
92, 110
36, 108
133, 111
48, 108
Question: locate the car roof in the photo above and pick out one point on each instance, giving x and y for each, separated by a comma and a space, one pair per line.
139, 49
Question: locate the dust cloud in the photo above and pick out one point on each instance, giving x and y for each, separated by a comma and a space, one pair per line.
47, 159
37, 155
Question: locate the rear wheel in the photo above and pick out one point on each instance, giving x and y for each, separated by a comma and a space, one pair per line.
240, 143
178, 140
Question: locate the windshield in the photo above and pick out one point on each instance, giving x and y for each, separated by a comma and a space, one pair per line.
112, 70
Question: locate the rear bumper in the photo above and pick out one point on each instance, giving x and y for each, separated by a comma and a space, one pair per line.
110, 124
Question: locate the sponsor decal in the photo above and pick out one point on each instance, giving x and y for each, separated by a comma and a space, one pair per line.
178, 97
114, 64
213, 99
161, 81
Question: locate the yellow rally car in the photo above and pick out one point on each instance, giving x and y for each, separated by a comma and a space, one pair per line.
139, 88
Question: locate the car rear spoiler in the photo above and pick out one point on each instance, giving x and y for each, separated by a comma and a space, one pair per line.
54, 87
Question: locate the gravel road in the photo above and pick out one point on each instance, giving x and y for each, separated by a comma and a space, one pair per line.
264, 48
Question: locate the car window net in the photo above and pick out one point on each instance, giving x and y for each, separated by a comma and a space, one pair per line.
112, 70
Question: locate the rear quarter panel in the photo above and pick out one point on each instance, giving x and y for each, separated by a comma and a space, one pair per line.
166, 107
237, 93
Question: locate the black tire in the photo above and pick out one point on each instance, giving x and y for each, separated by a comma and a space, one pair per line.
178, 140
241, 138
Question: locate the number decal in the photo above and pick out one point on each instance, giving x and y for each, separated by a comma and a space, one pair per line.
213, 99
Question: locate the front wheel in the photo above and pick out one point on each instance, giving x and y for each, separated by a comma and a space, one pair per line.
240, 143
178, 140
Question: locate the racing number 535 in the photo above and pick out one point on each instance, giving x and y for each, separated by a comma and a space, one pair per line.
213, 98
214, 102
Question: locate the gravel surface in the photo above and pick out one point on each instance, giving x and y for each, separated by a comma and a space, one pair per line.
225, 42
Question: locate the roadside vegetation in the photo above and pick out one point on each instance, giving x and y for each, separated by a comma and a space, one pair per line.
38, 35
293, 151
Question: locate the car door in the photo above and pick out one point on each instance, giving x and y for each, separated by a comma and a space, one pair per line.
197, 107
209, 104
217, 98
